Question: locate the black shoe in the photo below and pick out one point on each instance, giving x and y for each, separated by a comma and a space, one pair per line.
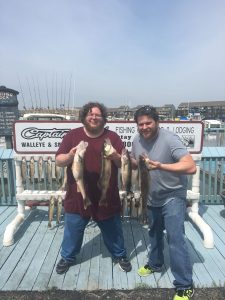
124, 263
63, 266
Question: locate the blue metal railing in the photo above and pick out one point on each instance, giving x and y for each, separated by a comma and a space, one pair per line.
7, 178
212, 176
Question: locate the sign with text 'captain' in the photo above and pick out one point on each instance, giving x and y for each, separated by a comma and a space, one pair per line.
46, 136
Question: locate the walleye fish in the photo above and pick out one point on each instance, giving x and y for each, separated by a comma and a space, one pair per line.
23, 169
51, 211
64, 184
40, 168
32, 169
78, 171
126, 171
59, 209
103, 182
144, 184
58, 174
49, 169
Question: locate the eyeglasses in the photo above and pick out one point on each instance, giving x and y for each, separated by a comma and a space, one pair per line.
97, 116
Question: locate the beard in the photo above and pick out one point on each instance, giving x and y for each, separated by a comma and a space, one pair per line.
149, 133
96, 129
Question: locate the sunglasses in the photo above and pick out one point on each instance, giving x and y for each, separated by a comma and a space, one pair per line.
146, 110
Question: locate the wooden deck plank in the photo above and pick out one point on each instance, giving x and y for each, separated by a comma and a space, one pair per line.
31, 275
10, 271
208, 255
2, 209
165, 277
120, 280
200, 274
218, 209
26, 260
72, 276
29, 264
93, 279
217, 216
56, 280
5, 221
142, 252
48, 266
218, 231
133, 279
5, 214
82, 282
105, 269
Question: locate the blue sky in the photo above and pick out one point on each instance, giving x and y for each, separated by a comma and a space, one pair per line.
114, 51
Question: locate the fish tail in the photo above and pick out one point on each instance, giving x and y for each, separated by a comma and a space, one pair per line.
59, 209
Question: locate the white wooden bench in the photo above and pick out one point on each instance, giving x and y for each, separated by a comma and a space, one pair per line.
41, 187
26, 191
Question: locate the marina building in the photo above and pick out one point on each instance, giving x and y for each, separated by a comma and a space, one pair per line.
208, 110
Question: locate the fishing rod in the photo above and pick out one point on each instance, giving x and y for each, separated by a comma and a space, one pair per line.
46, 84
53, 91
24, 107
61, 94
39, 94
30, 93
69, 89
65, 93
56, 99
35, 94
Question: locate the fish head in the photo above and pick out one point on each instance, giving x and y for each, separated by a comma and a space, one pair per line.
107, 147
40, 160
81, 149
82, 146
143, 161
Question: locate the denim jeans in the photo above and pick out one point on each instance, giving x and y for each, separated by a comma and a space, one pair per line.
111, 230
171, 217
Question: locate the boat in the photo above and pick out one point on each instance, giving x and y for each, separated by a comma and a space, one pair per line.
46, 117
212, 126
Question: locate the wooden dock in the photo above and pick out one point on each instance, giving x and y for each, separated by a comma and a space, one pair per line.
29, 264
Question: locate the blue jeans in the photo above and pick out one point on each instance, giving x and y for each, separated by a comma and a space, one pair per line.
171, 217
111, 230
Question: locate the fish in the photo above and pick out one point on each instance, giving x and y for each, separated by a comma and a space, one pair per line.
123, 203
78, 171
51, 211
105, 174
58, 174
32, 169
64, 184
40, 168
126, 171
59, 209
49, 169
144, 184
23, 169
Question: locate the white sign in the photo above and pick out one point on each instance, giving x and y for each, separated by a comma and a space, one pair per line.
46, 136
